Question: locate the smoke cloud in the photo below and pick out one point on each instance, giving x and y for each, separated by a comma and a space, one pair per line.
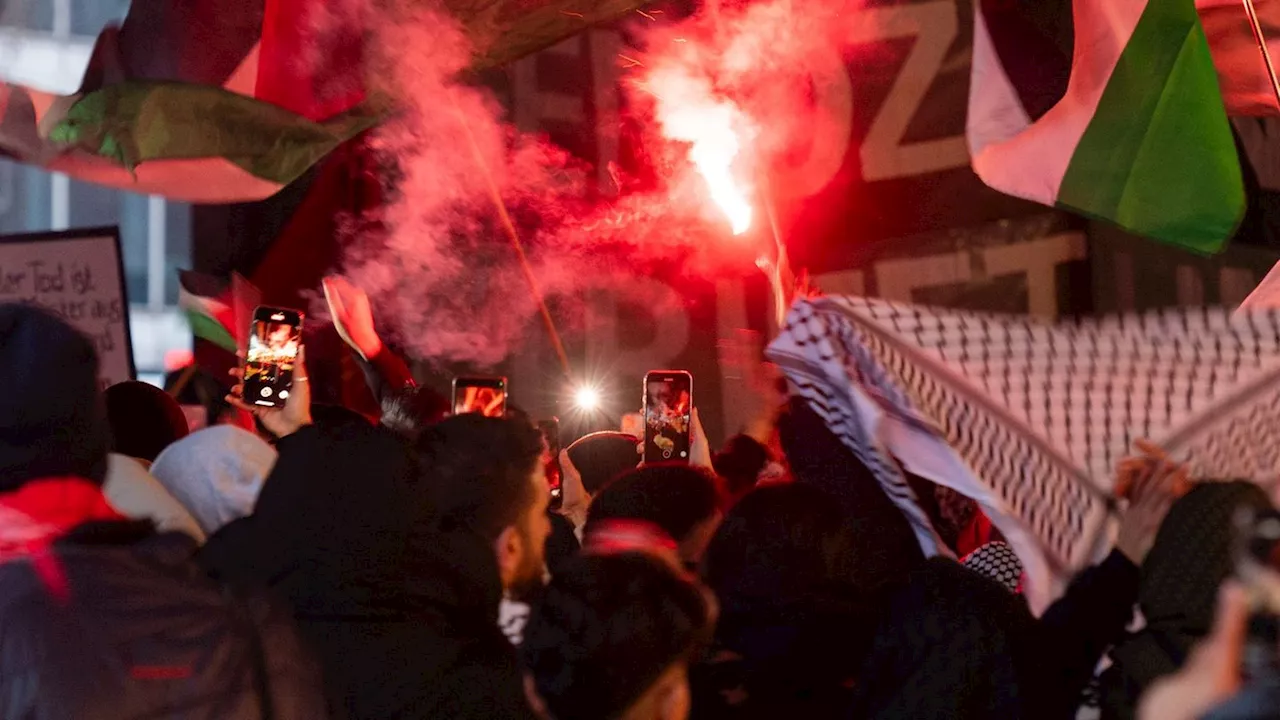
436, 261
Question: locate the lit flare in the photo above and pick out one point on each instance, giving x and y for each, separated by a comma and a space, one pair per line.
689, 111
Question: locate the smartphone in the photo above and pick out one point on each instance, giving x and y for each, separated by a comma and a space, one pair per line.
275, 336
668, 415
484, 395
551, 435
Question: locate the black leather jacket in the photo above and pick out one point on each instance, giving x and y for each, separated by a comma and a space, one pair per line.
141, 632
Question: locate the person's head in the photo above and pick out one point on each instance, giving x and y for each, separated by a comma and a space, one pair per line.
486, 475
612, 638
788, 539
216, 473
144, 420
53, 420
796, 604
602, 457
682, 501
740, 463
409, 410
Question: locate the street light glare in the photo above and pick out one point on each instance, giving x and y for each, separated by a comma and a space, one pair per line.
587, 398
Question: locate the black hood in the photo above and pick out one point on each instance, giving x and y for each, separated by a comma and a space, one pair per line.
343, 528
52, 417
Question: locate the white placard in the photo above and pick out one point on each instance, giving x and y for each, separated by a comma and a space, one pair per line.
78, 275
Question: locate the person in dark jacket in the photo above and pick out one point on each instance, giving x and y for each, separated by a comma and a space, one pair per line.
795, 616
818, 458
952, 643
398, 596
613, 637
1193, 554
102, 617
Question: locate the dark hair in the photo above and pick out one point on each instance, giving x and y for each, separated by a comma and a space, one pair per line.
476, 470
606, 629
676, 498
144, 419
740, 463
789, 539
410, 410
602, 457
796, 607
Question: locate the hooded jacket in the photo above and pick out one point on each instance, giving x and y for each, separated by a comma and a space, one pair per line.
107, 619
402, 617
139, 496
100, 617
216, 473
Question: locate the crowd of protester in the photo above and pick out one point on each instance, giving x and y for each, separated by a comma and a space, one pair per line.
308, 563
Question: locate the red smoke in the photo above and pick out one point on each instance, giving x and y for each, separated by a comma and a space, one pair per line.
440, 270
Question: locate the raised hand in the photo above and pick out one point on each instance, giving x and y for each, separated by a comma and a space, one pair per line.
1151, 483
352, 315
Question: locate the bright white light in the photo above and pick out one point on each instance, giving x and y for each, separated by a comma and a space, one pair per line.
587, 398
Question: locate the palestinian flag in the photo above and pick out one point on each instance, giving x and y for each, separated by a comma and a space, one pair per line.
1134, 132
217, 311
219, 101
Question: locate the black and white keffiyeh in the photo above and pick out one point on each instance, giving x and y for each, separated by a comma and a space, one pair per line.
997, 561
1030, 418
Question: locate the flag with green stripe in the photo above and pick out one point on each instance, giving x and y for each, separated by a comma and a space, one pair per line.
1129, 127
218, 311
220, 101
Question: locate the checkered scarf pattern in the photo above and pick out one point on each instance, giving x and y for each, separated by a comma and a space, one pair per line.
997, 561
1030, 418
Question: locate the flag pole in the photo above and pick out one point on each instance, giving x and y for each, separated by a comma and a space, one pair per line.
1261, 39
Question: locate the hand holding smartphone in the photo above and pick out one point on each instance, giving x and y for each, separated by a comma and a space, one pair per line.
484, 395
668, 416
275, 338
272, 382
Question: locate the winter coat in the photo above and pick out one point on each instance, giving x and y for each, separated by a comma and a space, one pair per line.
403, 617
135, 629
952, 643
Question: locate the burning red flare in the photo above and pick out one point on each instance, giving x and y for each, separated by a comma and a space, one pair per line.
688, 110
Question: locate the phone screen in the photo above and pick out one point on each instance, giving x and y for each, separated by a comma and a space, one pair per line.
487, 396
275, 335
668, 414
551, 435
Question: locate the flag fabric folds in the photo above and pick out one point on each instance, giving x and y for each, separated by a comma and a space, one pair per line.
229, 101
217, 311
1136, 134
1030, 419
